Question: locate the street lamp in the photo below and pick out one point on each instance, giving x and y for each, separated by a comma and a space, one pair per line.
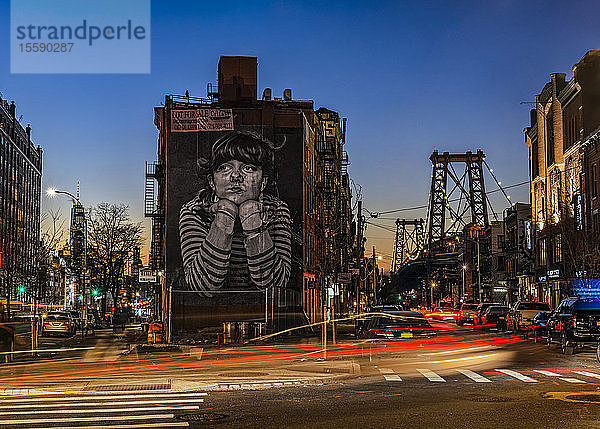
52, 192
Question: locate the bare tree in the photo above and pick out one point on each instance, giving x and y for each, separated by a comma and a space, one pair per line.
111, 239
53, 229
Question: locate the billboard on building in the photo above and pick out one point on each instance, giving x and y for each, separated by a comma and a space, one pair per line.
233, 218
192, 120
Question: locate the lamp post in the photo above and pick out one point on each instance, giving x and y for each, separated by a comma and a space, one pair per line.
51, 192
464, 287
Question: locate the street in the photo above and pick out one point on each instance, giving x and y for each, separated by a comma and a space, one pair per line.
466, 377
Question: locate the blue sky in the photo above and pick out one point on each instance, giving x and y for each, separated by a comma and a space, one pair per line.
409, 76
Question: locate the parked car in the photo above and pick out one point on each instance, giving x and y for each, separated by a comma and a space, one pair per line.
442, 313
521, 314
538, 325
404, 325
495, 315
478, 315
575, 322
76, 318
58, 323
386, 308
465, 315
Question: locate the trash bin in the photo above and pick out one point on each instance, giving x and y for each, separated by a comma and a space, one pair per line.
155, 333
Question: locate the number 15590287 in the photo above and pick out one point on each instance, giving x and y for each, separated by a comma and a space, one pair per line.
46, 47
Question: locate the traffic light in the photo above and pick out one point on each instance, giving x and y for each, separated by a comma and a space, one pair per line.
95, 292
21, 289
80, 298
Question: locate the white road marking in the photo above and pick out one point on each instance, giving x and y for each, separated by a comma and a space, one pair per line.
389, 374
131, 426
589, 374
97, 411
517, 375
548, 373
571, 380
469, 349
86, 419
474, 376
431, 376
106, 404
85, 397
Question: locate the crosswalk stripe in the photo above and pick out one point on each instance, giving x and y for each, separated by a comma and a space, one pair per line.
553, 374
589, 374
86, 419
106, 404
548, 373
431, 376
571, 380
96, 411
389, 374
85, 397
474, 376
517, 375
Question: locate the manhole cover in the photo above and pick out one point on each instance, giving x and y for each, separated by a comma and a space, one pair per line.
484, 398
243, 374
202, 417
592, 397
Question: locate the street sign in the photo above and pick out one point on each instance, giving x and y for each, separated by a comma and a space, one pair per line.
147, 276
344, 277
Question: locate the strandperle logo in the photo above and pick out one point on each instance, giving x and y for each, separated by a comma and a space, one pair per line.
80, 36
81, 32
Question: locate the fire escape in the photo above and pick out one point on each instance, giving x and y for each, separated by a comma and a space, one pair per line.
153, 208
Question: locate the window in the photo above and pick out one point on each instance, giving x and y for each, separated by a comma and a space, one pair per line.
594, 179
542, 254
557, 248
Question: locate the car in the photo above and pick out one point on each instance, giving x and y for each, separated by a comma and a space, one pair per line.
537, 329
495, 316
465, 315
521, 314
442, 313
402, 325
76, 318
58, 323
478, 315
386, 308
574, 323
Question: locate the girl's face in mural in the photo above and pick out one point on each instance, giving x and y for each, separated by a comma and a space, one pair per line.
237, 181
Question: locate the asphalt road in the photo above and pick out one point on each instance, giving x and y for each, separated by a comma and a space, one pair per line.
465, 378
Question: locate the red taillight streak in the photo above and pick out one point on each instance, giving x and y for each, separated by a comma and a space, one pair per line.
381, 348
574, 321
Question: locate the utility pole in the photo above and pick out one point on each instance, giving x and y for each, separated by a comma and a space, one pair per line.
374, 278
478, 270
359, 255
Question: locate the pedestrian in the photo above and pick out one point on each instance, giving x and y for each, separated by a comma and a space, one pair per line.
235, 234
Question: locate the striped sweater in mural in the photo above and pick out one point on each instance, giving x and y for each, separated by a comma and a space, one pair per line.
214, 260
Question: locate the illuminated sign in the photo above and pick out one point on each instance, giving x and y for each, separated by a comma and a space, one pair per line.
578, 211
528, 234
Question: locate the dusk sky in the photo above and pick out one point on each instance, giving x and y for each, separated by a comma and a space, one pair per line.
409, 76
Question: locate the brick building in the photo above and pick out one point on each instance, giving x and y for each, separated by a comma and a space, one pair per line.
310, 177
562, 136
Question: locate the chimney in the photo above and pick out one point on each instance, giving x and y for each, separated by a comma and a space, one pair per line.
267, 94
237, 79
28, 131
13, 109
